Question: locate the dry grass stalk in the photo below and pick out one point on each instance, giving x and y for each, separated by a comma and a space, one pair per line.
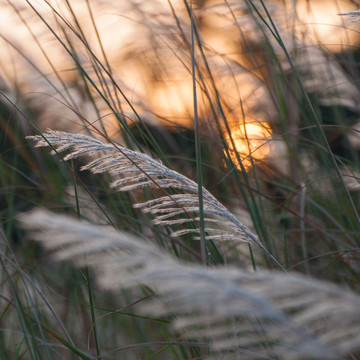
252, 315
355, 15
133, 170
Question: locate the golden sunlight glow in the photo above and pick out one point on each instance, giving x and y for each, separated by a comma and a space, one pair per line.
151, 63
322, 24
251, 142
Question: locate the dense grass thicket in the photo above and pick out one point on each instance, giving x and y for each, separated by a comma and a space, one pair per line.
197, 196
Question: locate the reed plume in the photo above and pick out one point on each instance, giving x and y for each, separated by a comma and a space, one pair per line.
134, 170
259, 315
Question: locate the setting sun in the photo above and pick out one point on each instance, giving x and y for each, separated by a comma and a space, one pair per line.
251, 142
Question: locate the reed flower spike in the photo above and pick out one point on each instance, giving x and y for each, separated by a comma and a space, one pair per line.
134, 170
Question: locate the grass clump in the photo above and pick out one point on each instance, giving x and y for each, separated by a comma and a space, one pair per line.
207, 155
